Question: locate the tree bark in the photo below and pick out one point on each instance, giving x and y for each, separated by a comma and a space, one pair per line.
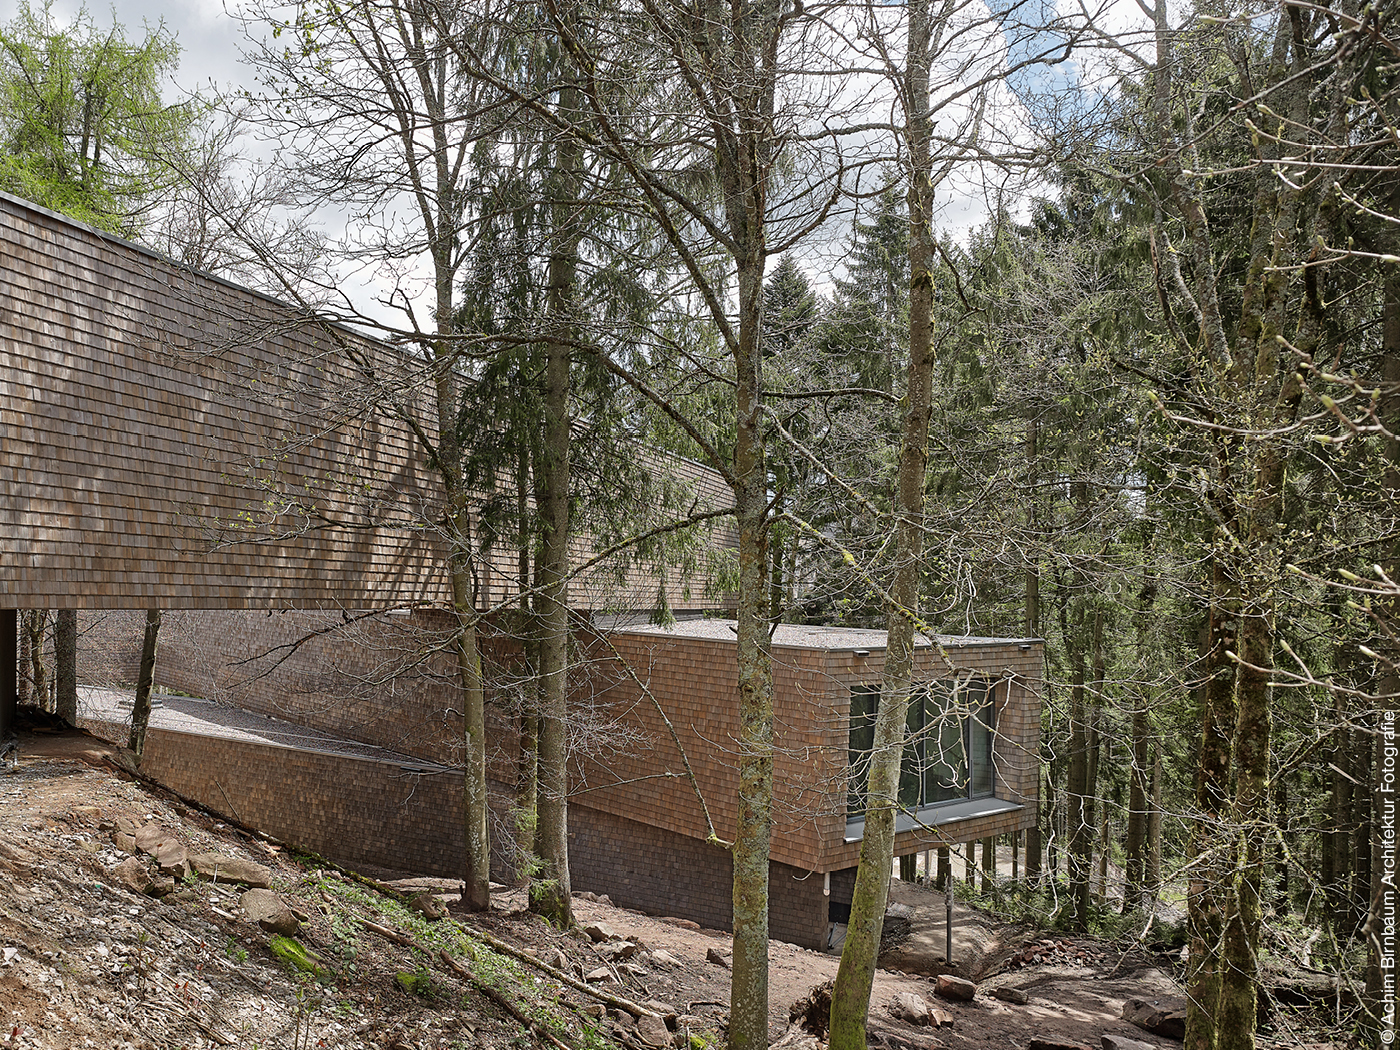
35, 627
850, 1000
550, 891
1034, 842
1079, 816
145, 683
1135, 842
65, 661
24, 681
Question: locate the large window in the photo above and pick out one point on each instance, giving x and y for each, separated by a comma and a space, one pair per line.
947, 743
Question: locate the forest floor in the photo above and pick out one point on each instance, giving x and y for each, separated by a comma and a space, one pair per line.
86, 960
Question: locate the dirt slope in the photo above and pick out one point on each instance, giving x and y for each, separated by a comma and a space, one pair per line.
88, 962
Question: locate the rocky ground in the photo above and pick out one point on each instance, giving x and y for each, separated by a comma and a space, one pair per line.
132, 921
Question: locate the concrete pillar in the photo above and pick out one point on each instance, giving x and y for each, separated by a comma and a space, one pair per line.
9, 670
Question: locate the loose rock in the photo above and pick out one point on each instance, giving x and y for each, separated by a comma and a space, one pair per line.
428, 905
949, 987
151, 836
601, 931
268, 910
911, 1008
1055, 1042
232, 869
653, 1031
714, 955
1168, 1019
171, 859
1122, 1042
133, 874
1008, 994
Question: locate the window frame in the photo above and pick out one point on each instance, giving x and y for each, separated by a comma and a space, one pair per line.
978, 759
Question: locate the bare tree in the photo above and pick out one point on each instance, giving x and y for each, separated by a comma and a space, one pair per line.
369, 104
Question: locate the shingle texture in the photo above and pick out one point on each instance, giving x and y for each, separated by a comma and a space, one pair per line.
173, 439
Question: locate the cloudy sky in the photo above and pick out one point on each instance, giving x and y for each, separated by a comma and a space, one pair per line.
208, 36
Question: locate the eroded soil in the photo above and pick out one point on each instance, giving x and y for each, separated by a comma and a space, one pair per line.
89, 963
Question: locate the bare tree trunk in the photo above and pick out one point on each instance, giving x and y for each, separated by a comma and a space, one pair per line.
527, 767
65, 659
35, 627
26, 676
1206, 887
1080, 813
989, 865
1154, 835
1360, 890
476, 893
850, 1000
550, 891
749, 978
1281, 880
145, 682
1135, 844
1034, 843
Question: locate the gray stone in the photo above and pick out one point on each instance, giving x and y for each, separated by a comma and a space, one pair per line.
171, 859
126, 825
601, 931
1161, 1018
616, 950
911, 1008
668, 1012
1008, 994
124, 842
661, 957
797, 1038
269, 911
162, 886
1055, 1042
232, 869
428, 905
133, 874
653, 1031
1122, 1042
602, 975
151, 836
949, 987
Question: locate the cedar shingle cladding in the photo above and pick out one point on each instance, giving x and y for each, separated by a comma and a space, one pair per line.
149, 412
693, 679
138, 401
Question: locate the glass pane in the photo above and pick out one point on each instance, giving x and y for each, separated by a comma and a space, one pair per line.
979, 733
911, 761
865, 699
945, 765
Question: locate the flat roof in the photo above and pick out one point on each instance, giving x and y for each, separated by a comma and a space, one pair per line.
810, 636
